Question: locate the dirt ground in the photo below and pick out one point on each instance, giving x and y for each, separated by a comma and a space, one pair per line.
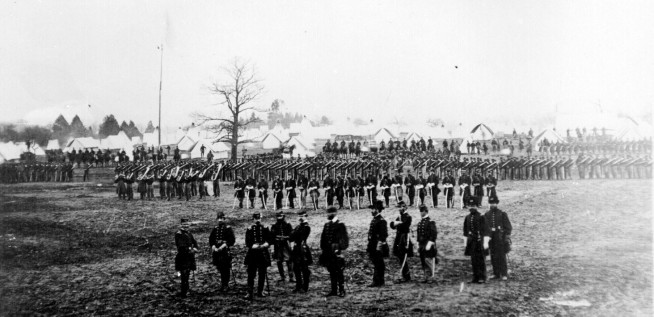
75, 249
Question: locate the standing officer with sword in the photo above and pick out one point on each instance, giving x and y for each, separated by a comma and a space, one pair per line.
402, 247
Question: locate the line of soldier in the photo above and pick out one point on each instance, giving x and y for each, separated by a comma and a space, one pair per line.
176, 180
198, 178
490, 233
588, 166
350, 149
36, 172
356, 192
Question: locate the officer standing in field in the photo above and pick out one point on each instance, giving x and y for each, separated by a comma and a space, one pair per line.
333, 241
497, 238
410, 183
262, 186
185, 258
221, 239
385, 186
239, 188
301, 254
281, 232
377, 248
278, 192
426, 237
402, 247
257, 258
396, 184
473, 232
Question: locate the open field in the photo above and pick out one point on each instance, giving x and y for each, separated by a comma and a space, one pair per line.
75, 249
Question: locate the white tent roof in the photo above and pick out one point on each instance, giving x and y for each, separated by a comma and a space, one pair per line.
301, 147
137, 140
9, 151
82, 143
118, 141
413, 136
271, 141
218, 149
481, 132
549, 134
463, 146
631, 131
151, 138
53, 145
383, 134
186, 143
34, 148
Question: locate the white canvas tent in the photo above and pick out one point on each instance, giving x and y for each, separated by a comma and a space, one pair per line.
115, 142
630, 132
549, 134
481, 132
302, 147
82, 144
220, 150
9, 152
186, 143
383, 134
413, 136
35, 149
271, 141
53, 145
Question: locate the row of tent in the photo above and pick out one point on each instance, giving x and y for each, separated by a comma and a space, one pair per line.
307, 139
11, 151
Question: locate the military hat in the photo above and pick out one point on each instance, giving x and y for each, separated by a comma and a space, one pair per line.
401, 204
302, 213
493, 200
378, 205
220, 214
331, 210
471, 201
279, 214
256, 215
423, 208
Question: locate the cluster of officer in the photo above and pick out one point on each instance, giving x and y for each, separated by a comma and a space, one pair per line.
483, 235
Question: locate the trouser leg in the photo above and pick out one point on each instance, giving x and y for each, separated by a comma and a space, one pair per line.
280, 269
299, 282
185, 281
252, 272
262, 279
478, 267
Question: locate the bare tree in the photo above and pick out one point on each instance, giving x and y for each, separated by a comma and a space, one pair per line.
237, 96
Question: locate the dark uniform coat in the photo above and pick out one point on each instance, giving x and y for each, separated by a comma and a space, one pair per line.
427, 232
281, 231
185, 258
333, 240
220, 234
402, 244
377, 234
257, 233
473, 230
301, 253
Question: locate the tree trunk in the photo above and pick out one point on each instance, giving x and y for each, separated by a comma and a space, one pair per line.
234, 141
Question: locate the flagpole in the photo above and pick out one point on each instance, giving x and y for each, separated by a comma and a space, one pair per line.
160, 85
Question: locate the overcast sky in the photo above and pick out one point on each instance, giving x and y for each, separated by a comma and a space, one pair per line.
479, 60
